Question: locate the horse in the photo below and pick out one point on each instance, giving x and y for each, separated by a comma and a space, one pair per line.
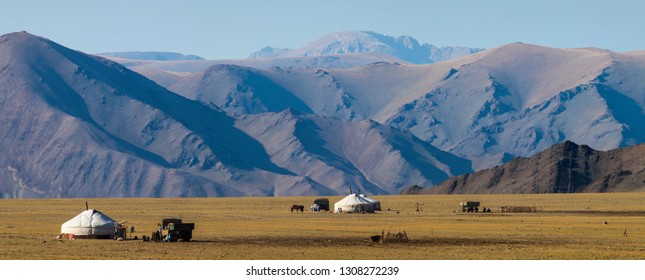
297, 207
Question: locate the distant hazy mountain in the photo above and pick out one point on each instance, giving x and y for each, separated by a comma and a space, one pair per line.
563, 168
160, 56
339, 50
179, 67
76, 125
490, 107
355, 42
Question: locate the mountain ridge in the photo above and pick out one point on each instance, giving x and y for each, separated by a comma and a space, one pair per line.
150, 55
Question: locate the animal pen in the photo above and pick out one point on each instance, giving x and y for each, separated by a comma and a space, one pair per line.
390, 237
519, 209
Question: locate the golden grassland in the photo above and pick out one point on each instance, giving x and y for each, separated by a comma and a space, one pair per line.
570, 226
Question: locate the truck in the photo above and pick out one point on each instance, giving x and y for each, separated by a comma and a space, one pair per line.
320, 204
173, 229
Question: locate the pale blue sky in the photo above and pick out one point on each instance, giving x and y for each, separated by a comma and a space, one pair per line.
234, 29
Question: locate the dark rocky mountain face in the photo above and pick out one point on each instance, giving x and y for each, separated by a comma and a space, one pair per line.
563, 168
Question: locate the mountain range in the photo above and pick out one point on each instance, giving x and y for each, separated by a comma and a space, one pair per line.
489, 107
338, 50
77, 125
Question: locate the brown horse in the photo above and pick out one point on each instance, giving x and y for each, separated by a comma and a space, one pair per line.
297, 207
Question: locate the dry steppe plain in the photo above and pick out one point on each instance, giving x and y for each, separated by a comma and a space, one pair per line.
569, 227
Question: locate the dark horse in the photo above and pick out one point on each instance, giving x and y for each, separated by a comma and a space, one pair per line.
300, 208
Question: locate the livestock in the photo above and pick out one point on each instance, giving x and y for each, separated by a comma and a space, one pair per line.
300, 208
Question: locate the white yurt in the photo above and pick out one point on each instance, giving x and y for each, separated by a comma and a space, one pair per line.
90, 223
353, 203
377, 204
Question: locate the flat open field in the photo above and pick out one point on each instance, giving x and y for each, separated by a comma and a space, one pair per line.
570, 226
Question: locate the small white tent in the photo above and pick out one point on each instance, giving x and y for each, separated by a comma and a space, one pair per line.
377, 204
89, 224
353, 203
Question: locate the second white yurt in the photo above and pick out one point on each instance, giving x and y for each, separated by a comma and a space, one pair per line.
377, 204
90, 223
353, 203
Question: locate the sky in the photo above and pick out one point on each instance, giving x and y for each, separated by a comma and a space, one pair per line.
220, 29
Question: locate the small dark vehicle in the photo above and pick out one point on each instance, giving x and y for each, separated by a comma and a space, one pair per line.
323, 203
469, 206
172, 230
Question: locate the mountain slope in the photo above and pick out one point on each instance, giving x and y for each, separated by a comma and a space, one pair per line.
519, 99
563, 168
66, 110
366, 156
240, 90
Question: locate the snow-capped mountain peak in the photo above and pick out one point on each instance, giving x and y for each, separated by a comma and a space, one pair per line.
356, 42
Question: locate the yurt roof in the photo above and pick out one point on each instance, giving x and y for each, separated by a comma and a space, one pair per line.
90, 218
353, 199
368, 198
